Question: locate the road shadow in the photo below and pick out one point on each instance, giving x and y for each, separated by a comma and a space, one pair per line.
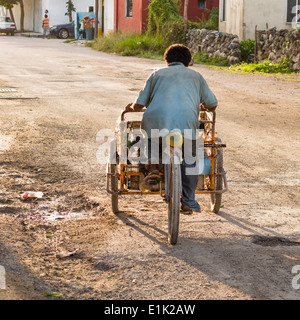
259, 269
19, 282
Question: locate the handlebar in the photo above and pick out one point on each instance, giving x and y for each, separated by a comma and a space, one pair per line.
143, 110
125, 111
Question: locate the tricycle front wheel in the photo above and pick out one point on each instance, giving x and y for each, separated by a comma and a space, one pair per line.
173, 192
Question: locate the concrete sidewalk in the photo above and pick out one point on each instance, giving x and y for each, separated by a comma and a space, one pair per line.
29, 34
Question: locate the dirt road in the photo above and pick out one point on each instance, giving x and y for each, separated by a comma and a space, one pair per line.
60, 95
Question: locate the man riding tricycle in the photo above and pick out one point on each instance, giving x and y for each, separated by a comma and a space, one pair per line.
172, 151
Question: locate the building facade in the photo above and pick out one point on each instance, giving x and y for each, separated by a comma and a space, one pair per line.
114, 15
34, 12
240, 17
198, 8
132, 15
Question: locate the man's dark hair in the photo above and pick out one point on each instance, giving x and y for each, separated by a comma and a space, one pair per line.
178, 53
46, 16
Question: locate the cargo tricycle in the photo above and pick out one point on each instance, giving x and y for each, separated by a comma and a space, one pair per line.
126, 177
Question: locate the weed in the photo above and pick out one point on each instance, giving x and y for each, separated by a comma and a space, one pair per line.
266, 66
203, 58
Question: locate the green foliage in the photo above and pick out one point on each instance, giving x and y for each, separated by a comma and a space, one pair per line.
161, 14
165, 27
213, 21
8, 4
266, 66
52, 294
203, 58
175, 32
165, 21
247, 49
132, 44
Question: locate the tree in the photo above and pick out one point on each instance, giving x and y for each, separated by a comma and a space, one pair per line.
22, 14
9, 4
185, 13
70, 9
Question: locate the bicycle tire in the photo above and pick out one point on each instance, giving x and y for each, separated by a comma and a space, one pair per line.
174, 192
216, 198
114, 188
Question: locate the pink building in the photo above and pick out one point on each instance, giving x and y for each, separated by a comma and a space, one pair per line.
132, 15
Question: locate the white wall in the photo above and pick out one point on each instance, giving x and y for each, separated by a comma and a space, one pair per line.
32, 16
37, 15
2, 11
234, 17
243, 15
34, 12
259, 13
58, 8
109, 16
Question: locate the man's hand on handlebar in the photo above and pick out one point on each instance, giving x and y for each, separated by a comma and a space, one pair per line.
202, 108
131, 107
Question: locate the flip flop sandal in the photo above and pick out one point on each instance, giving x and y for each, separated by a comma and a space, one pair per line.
153, 178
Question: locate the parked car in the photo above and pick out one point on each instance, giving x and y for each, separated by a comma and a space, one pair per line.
7, 26
63, 31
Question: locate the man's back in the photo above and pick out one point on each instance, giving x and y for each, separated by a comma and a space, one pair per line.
173, 96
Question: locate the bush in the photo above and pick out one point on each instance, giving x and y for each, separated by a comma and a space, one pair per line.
213, 21
247, 50
161, 14
211, 24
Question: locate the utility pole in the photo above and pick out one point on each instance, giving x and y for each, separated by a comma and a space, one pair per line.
96, 18
102, 17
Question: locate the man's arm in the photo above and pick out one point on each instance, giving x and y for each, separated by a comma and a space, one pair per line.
209, 101
131, 107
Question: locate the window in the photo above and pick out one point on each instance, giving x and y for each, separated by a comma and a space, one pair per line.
223, 10
293, 11
201, 4
128, 8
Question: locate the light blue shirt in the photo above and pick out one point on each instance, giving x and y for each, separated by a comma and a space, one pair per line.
172, 96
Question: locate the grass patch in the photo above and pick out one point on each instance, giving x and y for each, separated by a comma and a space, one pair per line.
202, 58
70, 40
244, 68
153, 47
267, 66
144, 46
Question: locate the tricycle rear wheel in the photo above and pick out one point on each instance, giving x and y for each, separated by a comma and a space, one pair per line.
216, 198
114, 188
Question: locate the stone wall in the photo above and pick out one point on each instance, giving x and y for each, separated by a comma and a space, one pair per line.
215, 44
276, 44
